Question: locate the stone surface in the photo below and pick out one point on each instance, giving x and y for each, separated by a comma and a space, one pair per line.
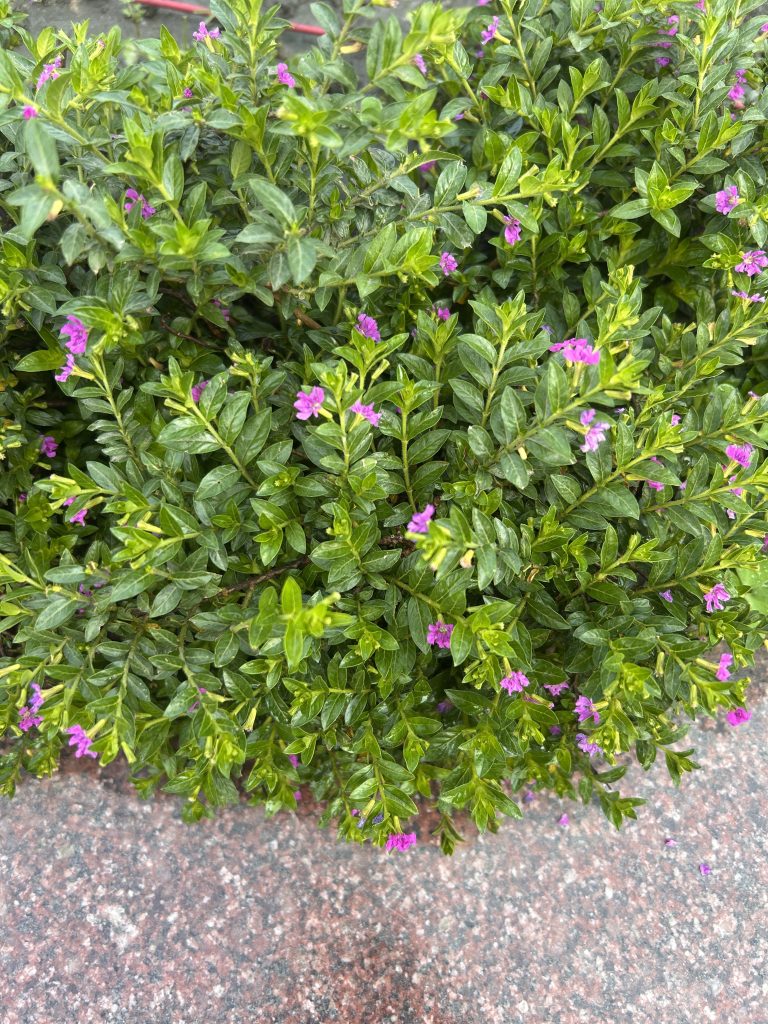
114, 912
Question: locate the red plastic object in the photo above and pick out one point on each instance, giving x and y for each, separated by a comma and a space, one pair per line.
177, 5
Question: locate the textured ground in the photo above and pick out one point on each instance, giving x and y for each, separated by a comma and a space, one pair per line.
114, 912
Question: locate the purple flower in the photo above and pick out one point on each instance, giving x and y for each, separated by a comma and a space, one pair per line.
655, 485
77, 332
576, 350
294, 759
595, 434
667, 595
555, 730
741, 453
420, 63
752, 262
443, 312
197, 390
582, 741
515, 682
401, 840
726, 660
675, 419
716, 597
309, 404
763, 28
705, 869
738, 716
439, 634
28, 719
673, 21
188, 94
37, 699
28, 113
427, 165
48, 446
50, 71
529, 796
366, 411
378, 820
747, 297
556, 688
512, 231
81, 740
134, 197
222, 309
763, 548
368, 327
670, 842
420, 520
285, 77
66, 369
585, 709
564, 821
662, 61
444, 707
203, 33
79, 517
447, 263
487, 34
726, 199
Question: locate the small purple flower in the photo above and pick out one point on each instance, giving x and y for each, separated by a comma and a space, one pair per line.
294, 759
224, 310
662, 61
81, 740
555, 730
443, 313
420, 63
585, 709
763, 547
512, 231
738, 716
673, 21
427, 165
576, 350
368, 327
582, 741
420, 520
705, 869
77, 332
28, 113
366, 411
667, 596
595, 434
134, 197
444, 707
439, 634
753, 261
188, 94
36, 700
50, 71
309, 404
556, 688
564, 821
741, 453
715, 598
49, 446
675, 419
203, 33
763, 28
488, 33
727, 199
196, 705
284, 76
747, 297
28, 719
529, 796
515, 682
401, 840
670, 842
66, 369
197, 390
447, 263
726, 660
79, 517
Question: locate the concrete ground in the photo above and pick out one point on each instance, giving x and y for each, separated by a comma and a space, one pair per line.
112, 911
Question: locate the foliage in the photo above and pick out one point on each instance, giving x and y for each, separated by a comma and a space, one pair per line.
244, 590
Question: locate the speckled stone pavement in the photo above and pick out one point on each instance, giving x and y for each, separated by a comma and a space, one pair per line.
114, 912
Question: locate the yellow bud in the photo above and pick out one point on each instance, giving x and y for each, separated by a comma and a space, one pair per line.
466, 559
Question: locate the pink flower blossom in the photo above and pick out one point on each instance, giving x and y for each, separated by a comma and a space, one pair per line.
670, 842
81, 741
715, 598
285, 77
667, 596
673, 20
513, 230
529, 796
564, 821
79, 517
77, 332
309, 404
37, 700
443, 313
420, 63
134, 197
515, 682
203, 33
763, 28
662, 61
427, 165
727, 199
736, 93
401, 840
585, 709
576, 350
188, 94
726, 660
197, 390
738, 716
28, 719
28, 113
555, 730
368, 327
224, 310
705, 869
741, 453
294, 759
420, 520
366, 411
48, 446
675, 419
753, 261
556, 688
747, 297
488, 33
66, 369
439, 634
447, 263
595, 434
583, 743
50, 71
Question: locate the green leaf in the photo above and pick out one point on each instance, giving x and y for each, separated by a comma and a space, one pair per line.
57, 611
41, 149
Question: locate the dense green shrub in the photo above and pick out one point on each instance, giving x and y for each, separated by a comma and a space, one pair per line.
507, 289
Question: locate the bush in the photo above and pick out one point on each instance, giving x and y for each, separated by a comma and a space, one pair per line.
394, 437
